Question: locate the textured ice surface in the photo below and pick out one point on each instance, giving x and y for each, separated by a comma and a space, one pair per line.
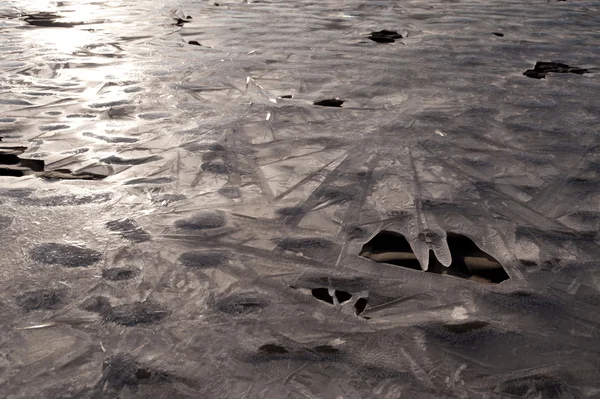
205, 221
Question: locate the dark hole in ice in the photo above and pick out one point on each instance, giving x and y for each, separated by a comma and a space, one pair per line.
286, 96
118, 274
203, 220
230, 192
322, 294
203, 259
11, 172
273, 349
331, 102
462, 328
129, 230
194, 43
65, 255
43, 299
181, 21
9, 159
133, 314
541, 69
390, 247
468, 261
385, 36
241, 304
498, 34
360, 305
342, 296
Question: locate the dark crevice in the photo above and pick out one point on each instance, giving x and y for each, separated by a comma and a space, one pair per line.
342, 296
360, 305
468, 261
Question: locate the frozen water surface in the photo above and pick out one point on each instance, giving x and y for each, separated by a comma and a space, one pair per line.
299, 199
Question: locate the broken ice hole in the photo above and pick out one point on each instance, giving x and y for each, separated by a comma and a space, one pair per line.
385, 36
323, 294
468, 261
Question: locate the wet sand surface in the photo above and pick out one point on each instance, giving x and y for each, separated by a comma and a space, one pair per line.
299, 199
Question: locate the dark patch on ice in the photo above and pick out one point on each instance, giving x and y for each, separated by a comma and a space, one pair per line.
313, 247
87, 116
330, 102
48, 20
109, 104
286, 96
122, 370
119, 274
537, 386
535, 233
385, 36
541, 69
116, 160
230, 192
53, 112
110, 139
149, 180
203, 220
468, 261
65, 255
154, 115
498, 34
461, 328
242, 303
203, 259
7, 120
132, 89
272, 349
129, 230
292, 211
43, 299
194, 43
67, 200
336, 194
133, 314
66, 174
51, 128
326, 350
14, 102
219, 168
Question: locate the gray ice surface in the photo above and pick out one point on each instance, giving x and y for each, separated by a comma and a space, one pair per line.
183, 201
